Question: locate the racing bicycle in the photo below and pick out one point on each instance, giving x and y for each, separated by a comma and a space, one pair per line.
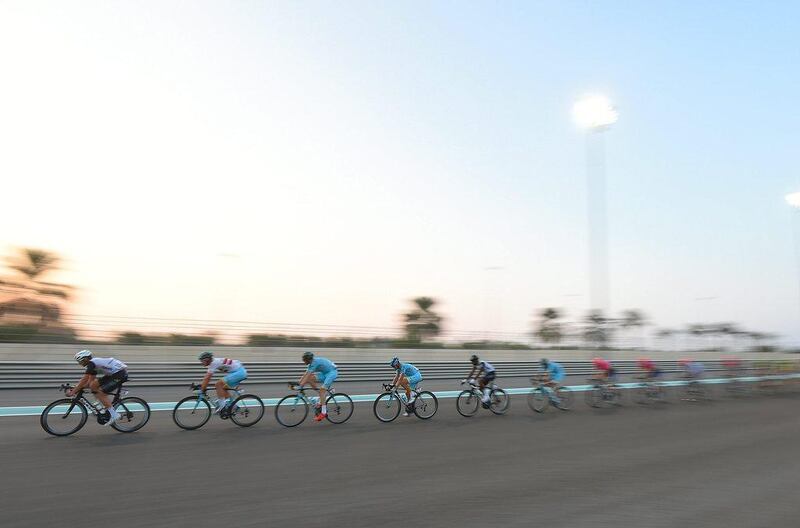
292, 410
389, 403
471, 399
66, 416
602, 394
193, 412
543, 396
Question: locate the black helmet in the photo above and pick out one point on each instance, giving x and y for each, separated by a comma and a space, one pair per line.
308, 356
205, 355
474, 359
544, 362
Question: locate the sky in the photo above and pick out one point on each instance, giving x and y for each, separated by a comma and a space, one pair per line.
323, 163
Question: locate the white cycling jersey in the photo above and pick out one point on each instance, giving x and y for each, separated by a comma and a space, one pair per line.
487, 367
105, 366
224, 365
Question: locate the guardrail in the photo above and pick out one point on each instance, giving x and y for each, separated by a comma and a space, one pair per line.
24, 375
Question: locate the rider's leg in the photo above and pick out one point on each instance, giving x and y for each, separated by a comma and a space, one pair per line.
403, 382
99, 394
222, 392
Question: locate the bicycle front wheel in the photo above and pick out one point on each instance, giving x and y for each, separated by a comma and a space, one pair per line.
291, 411
426, 405
340, 407
387, 407
499, 401
246, 410
537, 400
467, 403
134, 413
63, 417
593, 397
191, 413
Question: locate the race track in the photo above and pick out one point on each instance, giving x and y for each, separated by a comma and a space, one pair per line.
729, 463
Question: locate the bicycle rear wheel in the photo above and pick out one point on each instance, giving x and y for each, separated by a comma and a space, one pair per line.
499, 401
564, 398
291, 411
134, 413
537, 400
191, 413
467, 403
340, 407
426, 405
246, 410
63, 417
387, 407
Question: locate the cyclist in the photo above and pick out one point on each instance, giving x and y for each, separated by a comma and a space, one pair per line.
114, 373
408, 376
692, 370
552, 377
650, 368
485, 373
604, 371
553, 373
234, 372
320, 370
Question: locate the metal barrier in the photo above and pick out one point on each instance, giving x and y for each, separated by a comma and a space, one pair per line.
25, 375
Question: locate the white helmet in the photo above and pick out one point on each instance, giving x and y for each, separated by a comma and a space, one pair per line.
83, 354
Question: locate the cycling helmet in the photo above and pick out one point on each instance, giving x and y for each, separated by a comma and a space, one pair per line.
683, 362
83, 354
308, 357
474, 359
644, 362
544, 362
395, 362
205, 355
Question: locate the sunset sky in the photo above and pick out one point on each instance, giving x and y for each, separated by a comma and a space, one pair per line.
321, 162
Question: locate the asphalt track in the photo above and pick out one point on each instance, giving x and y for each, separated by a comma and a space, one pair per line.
728, 463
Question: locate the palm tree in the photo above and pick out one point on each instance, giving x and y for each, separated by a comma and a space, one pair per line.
549, 329
632, 319
597, 330
422, 322
33, 264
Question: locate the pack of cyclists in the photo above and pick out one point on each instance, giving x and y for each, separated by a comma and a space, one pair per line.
104, 375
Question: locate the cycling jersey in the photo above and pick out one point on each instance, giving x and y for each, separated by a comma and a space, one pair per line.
695, 368
603, 364
105, 366
555, 371
321, 365
487, 367
648, 364
224, 365
408, 370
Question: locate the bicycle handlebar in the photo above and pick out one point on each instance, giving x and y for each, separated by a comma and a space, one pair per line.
387, 386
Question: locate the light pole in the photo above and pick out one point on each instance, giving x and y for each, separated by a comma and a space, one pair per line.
793, 200
595, 114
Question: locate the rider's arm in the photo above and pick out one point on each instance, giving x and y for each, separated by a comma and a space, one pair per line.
471, 372
479, 373
82, 384
206, 380
396, 379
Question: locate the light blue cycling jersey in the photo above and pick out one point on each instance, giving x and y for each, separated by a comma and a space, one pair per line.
555, 370
321, 365
408, 370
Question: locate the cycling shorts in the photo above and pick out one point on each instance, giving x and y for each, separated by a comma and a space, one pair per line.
413, 380
489, 377
233, 379
557, 376
110, 383
328, 378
